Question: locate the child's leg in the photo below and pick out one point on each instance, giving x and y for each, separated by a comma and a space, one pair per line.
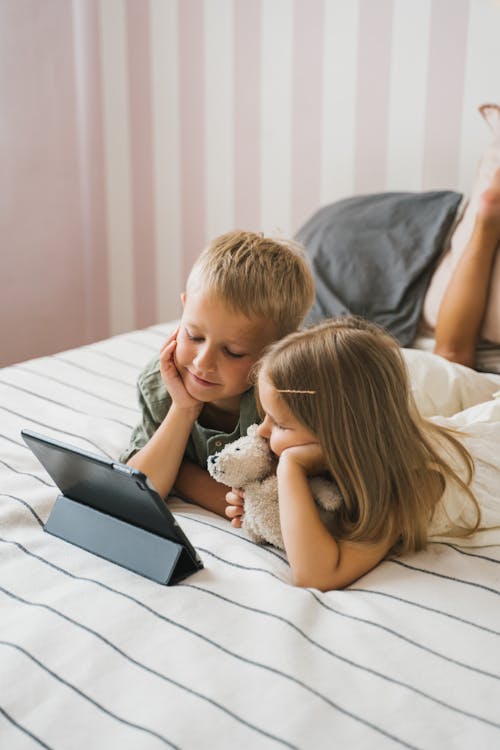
464, 302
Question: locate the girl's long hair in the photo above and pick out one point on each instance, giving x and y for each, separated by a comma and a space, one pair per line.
346, 381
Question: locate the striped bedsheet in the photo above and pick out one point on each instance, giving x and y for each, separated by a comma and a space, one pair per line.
95, 656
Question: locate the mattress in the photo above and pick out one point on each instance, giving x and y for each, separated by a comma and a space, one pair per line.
93, 655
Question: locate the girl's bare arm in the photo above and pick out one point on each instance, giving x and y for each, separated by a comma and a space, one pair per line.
317, 560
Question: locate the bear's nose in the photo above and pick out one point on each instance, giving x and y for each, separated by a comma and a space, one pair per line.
212, 459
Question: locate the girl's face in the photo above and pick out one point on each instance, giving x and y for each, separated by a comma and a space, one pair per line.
280, 427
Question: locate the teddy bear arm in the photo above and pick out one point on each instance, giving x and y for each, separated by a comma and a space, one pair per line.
262, 518
325, 492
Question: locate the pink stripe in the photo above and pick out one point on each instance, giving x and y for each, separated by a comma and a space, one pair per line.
448, 38
192, 137
372, 95
247, 129
42, 300
141, 155
91, 166
306, 108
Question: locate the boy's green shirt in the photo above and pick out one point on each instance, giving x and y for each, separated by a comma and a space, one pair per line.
155, 402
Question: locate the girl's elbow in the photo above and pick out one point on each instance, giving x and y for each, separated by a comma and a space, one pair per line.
307, 580
302, 582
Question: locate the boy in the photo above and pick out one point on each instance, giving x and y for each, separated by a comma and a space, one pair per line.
244, 292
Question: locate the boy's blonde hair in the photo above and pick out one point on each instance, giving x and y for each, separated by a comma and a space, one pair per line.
346, 381
257, 276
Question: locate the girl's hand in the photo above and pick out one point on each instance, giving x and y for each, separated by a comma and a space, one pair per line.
171, 377
309, 457
235, 510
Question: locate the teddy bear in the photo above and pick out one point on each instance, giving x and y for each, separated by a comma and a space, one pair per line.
248, 463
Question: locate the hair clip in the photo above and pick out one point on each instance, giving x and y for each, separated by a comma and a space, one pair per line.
293, 390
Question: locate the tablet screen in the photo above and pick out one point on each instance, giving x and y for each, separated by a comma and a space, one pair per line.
110, 487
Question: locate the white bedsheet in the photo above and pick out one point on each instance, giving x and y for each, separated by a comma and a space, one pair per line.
487, 354
94, 656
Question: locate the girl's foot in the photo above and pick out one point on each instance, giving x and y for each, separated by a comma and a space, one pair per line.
488, 210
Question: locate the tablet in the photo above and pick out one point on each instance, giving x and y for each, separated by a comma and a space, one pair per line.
112, 510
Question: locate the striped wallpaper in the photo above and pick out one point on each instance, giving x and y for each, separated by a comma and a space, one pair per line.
157, 124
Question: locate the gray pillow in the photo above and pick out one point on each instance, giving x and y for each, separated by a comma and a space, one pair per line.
373, 255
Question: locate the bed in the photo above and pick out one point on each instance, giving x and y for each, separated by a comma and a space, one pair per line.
95, 656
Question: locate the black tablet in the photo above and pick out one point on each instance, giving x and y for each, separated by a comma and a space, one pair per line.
114, 511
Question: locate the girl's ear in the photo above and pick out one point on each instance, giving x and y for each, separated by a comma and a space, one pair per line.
183, 298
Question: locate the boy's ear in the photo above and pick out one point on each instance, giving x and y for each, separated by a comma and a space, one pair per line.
183, 298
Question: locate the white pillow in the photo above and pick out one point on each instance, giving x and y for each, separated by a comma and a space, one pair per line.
441, 387
480, 425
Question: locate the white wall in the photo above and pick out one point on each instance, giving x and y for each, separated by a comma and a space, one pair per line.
134, 130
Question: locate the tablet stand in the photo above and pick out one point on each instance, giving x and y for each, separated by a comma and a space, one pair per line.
145, 553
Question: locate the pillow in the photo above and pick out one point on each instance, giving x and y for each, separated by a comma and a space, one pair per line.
373, 256
489, 163
480, 426
443, 388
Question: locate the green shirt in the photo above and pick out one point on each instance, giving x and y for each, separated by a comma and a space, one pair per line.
155, 402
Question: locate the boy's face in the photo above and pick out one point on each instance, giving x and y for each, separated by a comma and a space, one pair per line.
216, 348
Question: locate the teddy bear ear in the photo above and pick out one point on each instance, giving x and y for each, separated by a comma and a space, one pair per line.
252, 429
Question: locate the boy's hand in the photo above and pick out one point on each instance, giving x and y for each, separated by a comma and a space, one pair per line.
171, 377
235, 510
309, 457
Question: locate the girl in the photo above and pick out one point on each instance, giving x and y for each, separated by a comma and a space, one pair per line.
336, 399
